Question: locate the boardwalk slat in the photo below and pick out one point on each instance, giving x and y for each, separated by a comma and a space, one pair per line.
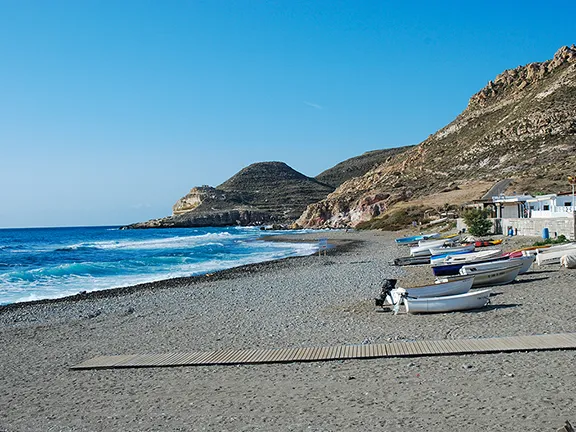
393, 349
422, 348
323, 354
172, 360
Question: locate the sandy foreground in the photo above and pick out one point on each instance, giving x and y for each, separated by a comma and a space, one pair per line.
296, 302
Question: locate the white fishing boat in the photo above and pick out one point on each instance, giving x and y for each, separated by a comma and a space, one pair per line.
526, 261
489, 265
423, 248
416, 251
453, 303
437, 242
464, 257
553, 254
437, 289
453, 249
500, 274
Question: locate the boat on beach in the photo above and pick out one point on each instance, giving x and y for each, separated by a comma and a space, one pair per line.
553, 254
453, 268
530, 250
485, 243
460, 302
423, 248
450, 250
526, 260
394, 296
405, 261
488, 274
464, 257
413, 239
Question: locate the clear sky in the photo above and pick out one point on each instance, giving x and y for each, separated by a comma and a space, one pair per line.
112, 110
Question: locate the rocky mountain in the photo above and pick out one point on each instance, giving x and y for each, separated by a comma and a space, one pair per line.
521, 126
357, 166
262, 193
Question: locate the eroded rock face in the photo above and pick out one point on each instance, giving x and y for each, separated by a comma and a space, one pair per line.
522, 125
241, 217
197, 196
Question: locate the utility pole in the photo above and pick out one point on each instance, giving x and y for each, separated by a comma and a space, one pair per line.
572, 182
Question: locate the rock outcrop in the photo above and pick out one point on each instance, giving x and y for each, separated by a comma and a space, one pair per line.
262, 193
521, 126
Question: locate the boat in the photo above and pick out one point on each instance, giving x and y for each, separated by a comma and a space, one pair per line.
404, 261
485, 243
413, 239
453, 268
450, 249
458, 257
530, 250
394, 296
423, 248
490, 265
452, 303
553, 254
487, 274
438, 242
526, 261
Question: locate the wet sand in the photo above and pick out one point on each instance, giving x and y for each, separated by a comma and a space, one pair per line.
306, 301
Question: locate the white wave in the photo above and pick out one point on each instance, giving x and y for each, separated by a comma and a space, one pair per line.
161, 243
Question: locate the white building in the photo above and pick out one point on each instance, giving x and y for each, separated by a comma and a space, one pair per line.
551, 206
511, 206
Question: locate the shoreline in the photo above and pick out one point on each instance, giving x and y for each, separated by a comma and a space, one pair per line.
336, 247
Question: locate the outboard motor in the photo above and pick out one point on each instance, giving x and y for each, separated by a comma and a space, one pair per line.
387, 287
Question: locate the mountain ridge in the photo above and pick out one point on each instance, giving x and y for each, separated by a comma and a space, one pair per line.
521, 125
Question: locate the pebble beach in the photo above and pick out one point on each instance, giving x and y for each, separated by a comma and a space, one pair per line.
294, 302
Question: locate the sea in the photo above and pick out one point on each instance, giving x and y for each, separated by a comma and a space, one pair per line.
47, 263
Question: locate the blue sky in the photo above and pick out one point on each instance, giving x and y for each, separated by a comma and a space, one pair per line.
112, 110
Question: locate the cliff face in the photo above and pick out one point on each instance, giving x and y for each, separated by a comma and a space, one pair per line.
262, 193
522, 126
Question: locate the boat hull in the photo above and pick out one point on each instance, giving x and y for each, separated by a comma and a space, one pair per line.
460, 286
489, 277
454, 303
451, 250
404, 261
404, 240
454, 268
552, 255
526, 261
465, 257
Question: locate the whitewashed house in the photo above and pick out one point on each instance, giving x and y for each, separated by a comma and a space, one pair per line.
551, 206
550, 215
511, 206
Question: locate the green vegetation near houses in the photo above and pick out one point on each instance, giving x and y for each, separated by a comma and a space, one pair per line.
550, 241
478, 222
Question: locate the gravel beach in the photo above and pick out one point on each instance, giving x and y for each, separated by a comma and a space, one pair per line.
295, 302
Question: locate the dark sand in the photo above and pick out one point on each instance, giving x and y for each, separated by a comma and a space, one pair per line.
309, 301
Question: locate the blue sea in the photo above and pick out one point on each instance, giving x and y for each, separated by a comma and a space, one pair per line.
42, 263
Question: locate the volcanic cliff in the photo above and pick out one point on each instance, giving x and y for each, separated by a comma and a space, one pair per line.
521, 126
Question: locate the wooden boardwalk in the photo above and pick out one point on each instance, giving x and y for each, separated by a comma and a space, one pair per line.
342, 352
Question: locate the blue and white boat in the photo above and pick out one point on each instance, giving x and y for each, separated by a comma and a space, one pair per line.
413, 239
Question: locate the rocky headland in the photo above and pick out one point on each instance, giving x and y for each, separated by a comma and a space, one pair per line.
521, 126
262, 193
